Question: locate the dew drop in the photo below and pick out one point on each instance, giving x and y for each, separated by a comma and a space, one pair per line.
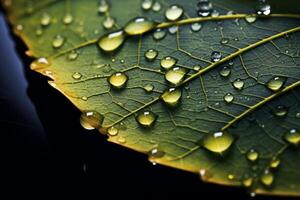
148, 88
247, 182
205, 175
216, 56
218, 142
168, 62
159, 34
73, 55
103, 6
139, 26
196, 67
276, 83
175, 75
267, 178
238, 84
263, 9
118, 80
108, 22
68, 19
45, 20
173, 29
173, 13
171, 96
230, 176
225, 71
224, 41
146, 119
281, 111
77, 76
298, 115
121, 140
215, 13
58, 41
196, 27
112, 131
292, 137
250, 19
154, 154
156, 7
91, 120
204, 8
228, 98
39, 32
147, 4
111, 41
252, 155
151, 54
275, 162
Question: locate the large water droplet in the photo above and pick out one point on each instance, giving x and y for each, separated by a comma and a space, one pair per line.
151, 54
225, 71
139, 26
147, 4
196, 26
45, 20
216, 56
252, 155
58, 41
218, 142
175, 75
292, 136
228, 98
238, 84
174, 12
103, 6
112, 131
204, 8
168, 62
111, 41
281, 111
263, 9
108, 22
267, 178
276, 83
146, 119
171, 96
118, 80
159, 34
91, 120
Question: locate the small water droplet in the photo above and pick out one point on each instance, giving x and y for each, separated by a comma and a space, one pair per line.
68, 19
292, 137
121, 140
204, 8
111, 41
118, 80
173, 13
159, 34
147, 4
281, 111
216, 56
224, 41
175, 75
112, 131
156, 7
196, 67
250, 19
230, 176
252, 155
196, 27
267, 178
103, 6
139, 26
154, 154
108, 22
148, 88
276, 83
146, 119
218, 142
91, 120
173, 29
77, 76
171, 96
168, 62
151, 54
263, 9
73, 55
228, 98
19, 27
275, 162
298, 115
225, 71
58, 41
247, 182
215, 13
238, 84
205, 175
45, 19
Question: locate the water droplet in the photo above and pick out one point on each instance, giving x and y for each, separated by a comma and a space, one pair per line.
215, 13
154, 154
108, 22
250, 19
225, 72
148, 88
238, 84
73, 55
122, 140
196, 27
218, 142
263, 9
228, 98
168, 62
171, 96
118, 80
175, 75
139, 26
292, 136
174, 12
111, 41
275, 162
156, 7
77, 76
247, 182
103, 6
146, 119
68, 19
173, 29
267, 178
151, 54
45, 20
230, 176
281, 111
276, 83
216, 56
298, 115
252, 155
204, 8
205, 175
159, 34
91, 120
39, 32
58, 41
19, 27
196, 67
147, 4
112, 131
224, 41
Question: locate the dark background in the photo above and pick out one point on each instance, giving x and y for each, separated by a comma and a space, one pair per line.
47, 154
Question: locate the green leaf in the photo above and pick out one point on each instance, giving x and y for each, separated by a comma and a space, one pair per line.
237, 119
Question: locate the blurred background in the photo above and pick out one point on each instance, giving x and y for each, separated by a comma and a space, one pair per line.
47, 154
